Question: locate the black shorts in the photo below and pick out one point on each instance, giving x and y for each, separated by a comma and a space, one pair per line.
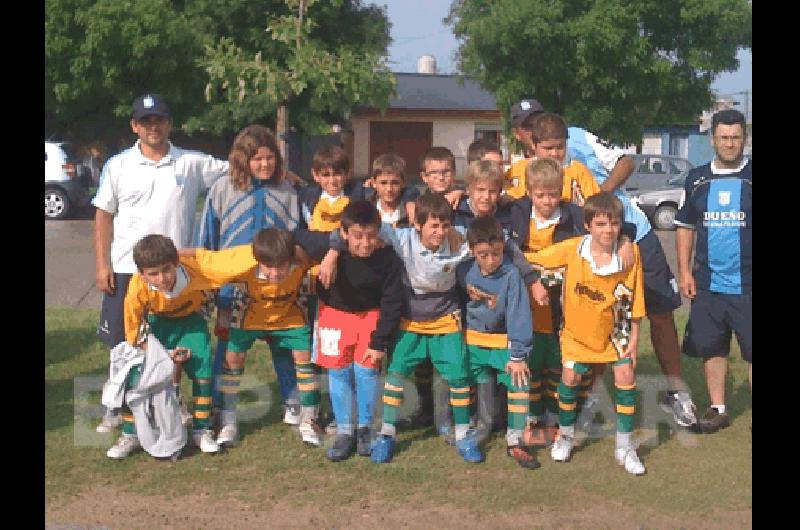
660, 287
111, 329
712, 319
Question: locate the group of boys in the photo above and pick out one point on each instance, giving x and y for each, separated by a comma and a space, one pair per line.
532, 277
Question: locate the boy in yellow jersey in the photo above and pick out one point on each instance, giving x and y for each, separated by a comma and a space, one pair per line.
166, 294
549, 140
603, 304
270, 311
539, 220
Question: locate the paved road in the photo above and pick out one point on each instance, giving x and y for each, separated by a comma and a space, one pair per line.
69, 261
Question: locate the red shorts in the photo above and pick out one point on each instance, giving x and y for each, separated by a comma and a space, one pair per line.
341, 338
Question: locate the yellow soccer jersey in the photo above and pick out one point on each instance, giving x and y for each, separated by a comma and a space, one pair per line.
539, 238
579, 183
207, 270
260, 305
515, 179
327, 215
597, 308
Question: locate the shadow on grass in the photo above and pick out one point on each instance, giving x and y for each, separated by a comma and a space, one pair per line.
61, 345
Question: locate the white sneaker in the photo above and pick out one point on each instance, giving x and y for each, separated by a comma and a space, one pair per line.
228, 435
626, 456
562, 447
291, 414
186, 416
126, 444
110, 422
205, 441
310, 431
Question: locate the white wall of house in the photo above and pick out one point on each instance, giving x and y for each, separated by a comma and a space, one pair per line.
651, 144
454, 133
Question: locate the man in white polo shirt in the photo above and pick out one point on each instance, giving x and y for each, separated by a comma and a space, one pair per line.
150, 188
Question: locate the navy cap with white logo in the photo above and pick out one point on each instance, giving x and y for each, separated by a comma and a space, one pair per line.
523, 109
150, 104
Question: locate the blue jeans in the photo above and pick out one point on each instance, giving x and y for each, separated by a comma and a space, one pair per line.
347, 383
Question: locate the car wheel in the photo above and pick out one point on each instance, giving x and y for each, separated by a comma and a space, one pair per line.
664, 216
56, 204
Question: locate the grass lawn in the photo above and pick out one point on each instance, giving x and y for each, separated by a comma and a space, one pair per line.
686, 475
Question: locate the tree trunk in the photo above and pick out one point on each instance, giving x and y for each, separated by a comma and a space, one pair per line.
281, 128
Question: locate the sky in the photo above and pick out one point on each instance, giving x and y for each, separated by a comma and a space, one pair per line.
417, 29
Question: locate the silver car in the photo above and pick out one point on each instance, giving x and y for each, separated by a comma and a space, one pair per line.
653, 172
662, 205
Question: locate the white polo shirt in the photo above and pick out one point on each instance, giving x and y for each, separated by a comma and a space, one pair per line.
148, 197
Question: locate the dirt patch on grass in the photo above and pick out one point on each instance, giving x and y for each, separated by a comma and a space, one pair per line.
111, 508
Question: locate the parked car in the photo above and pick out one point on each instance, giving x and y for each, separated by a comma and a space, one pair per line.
662, 205
653, 172
66, 184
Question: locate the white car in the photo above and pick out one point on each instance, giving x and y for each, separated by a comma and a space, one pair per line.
66, 184
662, 205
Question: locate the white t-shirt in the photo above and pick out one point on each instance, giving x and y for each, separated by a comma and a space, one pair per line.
148, 197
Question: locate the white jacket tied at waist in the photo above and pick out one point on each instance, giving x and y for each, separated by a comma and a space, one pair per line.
153, 402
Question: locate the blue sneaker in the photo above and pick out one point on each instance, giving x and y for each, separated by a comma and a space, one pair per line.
469, 450
382, 449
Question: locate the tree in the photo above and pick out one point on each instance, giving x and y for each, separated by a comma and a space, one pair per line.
318, 61
612, 66
100, 55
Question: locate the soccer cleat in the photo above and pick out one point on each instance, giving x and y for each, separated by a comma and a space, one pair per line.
447, 431
680, 405
204, 439
382, 449
712, 421
110, 422
310, 432
363, 441
291, 413
539, 434
228, 435
126, 444
468, 448
523, 456
562, 448
342, 448
626, 456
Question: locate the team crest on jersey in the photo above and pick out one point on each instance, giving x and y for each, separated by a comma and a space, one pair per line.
623, 304
239, 304
329, 341
724, 198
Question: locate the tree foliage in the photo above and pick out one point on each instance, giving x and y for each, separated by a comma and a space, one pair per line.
101, 54
320, 61
612, 66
